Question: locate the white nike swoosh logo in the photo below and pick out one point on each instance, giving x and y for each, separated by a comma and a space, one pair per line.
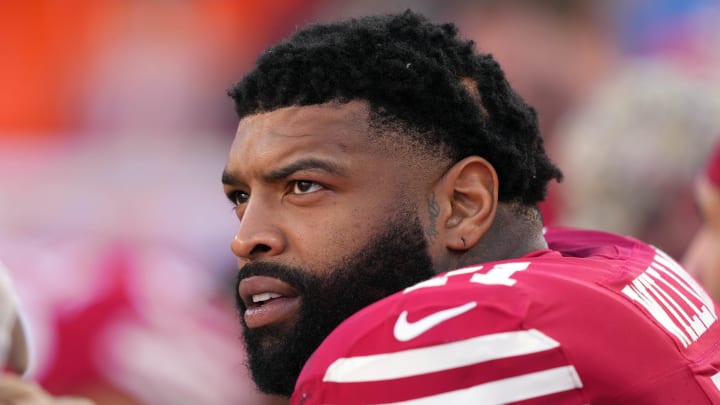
405, 330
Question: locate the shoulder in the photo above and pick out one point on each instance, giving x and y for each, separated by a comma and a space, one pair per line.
551, 316
485, 299
438, 336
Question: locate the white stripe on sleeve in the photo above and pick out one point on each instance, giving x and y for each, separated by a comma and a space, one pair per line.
507, 390
413, 362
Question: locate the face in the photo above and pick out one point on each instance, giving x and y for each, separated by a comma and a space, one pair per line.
329, 223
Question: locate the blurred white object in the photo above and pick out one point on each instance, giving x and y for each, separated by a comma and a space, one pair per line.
13, 342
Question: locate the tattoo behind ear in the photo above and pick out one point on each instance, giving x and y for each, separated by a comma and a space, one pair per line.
433, 213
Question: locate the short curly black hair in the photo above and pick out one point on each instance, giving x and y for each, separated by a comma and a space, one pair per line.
415, 73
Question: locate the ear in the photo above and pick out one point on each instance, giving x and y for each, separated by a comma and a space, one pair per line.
470, 187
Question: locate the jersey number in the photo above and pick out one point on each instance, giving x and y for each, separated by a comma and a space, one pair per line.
499, 274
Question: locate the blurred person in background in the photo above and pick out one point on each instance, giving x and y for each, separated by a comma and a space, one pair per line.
633, 150
703, 256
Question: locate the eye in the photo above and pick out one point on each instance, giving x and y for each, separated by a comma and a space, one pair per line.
238, 197
305, 187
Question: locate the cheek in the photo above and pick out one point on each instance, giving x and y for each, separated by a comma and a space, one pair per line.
320, 239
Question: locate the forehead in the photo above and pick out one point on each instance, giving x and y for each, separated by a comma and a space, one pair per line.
327, 130
328, 121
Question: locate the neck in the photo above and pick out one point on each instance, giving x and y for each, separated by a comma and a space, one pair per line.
510, 236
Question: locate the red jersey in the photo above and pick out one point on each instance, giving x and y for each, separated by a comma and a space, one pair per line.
595, 319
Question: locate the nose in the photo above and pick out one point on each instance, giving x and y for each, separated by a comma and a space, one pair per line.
257, 237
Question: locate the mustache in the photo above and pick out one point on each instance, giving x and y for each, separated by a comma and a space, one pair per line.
296, 277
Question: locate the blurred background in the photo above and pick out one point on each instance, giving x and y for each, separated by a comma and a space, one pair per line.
114, 129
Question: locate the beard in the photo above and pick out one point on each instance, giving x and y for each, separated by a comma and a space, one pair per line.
395, 258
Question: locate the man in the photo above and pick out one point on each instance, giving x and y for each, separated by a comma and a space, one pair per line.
381, 163
703, 256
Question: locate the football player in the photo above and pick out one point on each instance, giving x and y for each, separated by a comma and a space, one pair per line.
384, 163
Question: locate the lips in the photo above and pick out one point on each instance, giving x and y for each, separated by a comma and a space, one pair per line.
267, 301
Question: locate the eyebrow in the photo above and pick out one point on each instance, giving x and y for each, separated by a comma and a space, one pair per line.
303, 164
228, 179
286, 171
